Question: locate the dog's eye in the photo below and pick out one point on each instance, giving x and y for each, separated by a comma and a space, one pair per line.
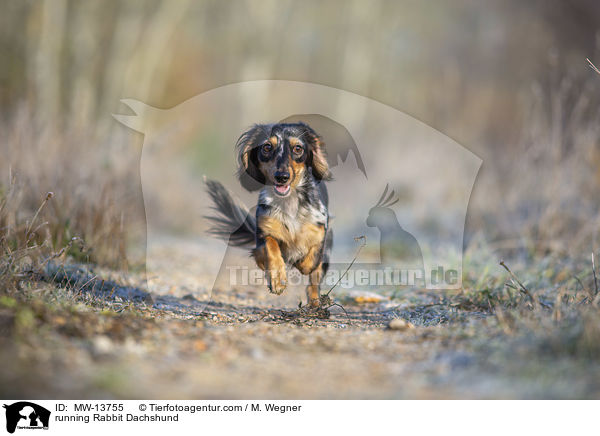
298, 150
266, 148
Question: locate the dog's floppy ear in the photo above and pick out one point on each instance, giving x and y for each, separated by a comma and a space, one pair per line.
250, 176
318, 156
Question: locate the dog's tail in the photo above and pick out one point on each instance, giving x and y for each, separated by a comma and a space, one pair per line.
233, 222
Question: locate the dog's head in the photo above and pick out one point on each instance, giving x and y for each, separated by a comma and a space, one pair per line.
280, 155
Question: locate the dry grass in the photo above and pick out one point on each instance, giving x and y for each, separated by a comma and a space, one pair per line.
25, 245
540, 198
96, 195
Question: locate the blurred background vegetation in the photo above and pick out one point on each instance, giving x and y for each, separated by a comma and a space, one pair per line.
506, 79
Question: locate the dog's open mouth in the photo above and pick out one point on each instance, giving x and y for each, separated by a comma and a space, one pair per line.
281, 190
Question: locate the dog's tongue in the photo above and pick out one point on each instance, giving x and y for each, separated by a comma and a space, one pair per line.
282, 189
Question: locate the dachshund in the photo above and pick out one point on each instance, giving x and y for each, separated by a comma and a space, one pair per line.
287, 162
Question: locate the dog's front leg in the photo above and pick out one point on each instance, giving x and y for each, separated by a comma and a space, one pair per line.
312, 266
276, 274
268, 258
312, 290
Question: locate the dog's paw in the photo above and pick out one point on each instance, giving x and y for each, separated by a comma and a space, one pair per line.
314, 303
277, 280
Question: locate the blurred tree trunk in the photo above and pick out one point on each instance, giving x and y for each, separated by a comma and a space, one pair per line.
44, 57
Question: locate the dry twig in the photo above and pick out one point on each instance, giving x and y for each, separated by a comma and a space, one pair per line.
522, 287
356, 239
592, 66
594, 271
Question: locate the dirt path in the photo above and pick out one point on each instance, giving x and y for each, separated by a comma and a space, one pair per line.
246, 343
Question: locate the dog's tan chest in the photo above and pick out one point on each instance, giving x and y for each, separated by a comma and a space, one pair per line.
295, 242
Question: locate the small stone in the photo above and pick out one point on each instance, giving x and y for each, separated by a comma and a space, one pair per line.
364, 297
199, 345
102, 345
400, 324
257, 354
132, 347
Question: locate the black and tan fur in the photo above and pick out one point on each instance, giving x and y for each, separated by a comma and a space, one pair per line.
287, 163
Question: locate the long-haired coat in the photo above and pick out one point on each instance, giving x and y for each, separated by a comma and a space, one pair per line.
288, 164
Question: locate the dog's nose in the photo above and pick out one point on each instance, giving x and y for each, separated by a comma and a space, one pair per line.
282, 177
